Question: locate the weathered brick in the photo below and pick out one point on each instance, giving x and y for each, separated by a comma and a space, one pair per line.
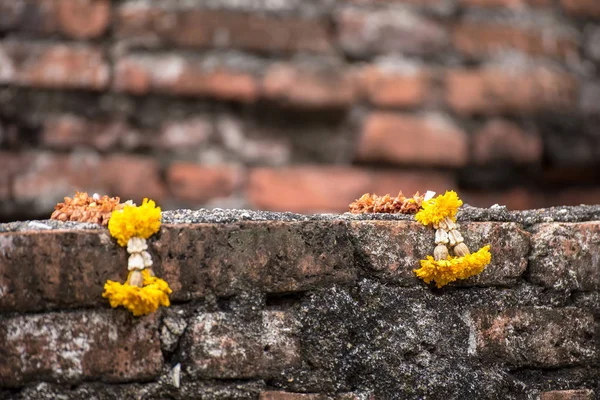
77, 346
389, 88
314, 189
46, 178
506, 3
67, 131
519, 198
198, 183
537, 337
276, 395
81, 19
192, 27
582, 394
365, 33
184, 134
582, 8
132, 177
179, 75
272, 257
501, 140
479, 40
495, 91
565, 256
217, 342
414, 140
392, 250
53, 66
66, 270
308, 87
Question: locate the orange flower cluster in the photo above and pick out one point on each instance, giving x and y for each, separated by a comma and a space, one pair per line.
371, 203
83, 208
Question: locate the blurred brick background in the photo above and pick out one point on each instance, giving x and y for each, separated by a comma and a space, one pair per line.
299, 105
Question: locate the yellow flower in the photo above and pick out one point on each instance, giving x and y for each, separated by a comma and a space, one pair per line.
435, 210
445, 271
140, 301
142, 221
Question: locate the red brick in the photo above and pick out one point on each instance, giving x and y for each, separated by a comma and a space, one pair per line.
501, 140
208, 28
582, 8
39, 280
496, 91
513, 199
414, 140
565, 256
308, 87
132, 177
80, 19
276, 395
178, 75
219, 341
199, 184
536, 337
53, 66
388, 88
45, 178
478, 40
366, 32
506, 3
10, 163
68, 131
83, 345
332, 188
394, 260
581, 394
184, 134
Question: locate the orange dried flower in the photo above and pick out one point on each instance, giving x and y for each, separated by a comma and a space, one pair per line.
372, 203
83, 208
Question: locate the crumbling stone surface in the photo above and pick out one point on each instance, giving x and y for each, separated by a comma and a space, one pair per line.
295, 307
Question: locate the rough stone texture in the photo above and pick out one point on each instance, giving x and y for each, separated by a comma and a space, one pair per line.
217, 342
275, 257
304, 307
71, 347
48, 270
390, 250
566, 256
537, 337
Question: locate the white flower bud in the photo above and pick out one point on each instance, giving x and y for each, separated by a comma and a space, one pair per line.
136, 245
136, 261
440, 252
147, 259
136, 279
455, 237
451, 224
428, 195
461, 250
441, 236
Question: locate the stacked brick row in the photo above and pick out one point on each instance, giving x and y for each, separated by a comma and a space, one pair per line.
254, 104
291, 308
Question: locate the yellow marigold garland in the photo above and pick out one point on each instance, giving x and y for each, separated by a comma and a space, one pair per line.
437, 209
132, 221
440, 212
143, 292
139, 300
443, 272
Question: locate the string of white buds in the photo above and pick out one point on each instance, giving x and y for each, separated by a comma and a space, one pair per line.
447, 235
139, 259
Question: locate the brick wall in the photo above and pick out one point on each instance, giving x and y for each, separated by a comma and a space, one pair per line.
298, 105
276, 306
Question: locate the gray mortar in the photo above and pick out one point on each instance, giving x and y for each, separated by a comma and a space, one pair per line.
528, 218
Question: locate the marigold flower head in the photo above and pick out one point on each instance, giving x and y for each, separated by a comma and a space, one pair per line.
141, 221
140, 301
435, 210
443, 272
